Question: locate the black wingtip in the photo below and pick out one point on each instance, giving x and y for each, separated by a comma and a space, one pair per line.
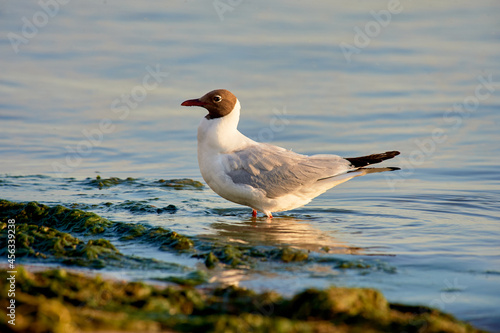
362, 161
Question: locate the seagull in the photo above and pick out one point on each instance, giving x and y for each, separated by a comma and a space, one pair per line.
265, 177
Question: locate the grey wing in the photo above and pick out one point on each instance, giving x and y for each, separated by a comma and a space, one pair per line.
278, 171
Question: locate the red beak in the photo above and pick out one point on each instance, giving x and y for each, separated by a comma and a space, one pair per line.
193, 102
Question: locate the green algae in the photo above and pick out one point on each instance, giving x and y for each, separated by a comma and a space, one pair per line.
192, 279
363, 265
289, 254
230, 255
132, 206
78, 221
340, 304
56, 300
129, 231
211, 260
241, 255
176, 184
107, 182
142, 207
166, 239
59, 217
45, 243
181, 184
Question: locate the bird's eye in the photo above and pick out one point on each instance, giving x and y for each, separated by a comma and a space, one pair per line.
217, 99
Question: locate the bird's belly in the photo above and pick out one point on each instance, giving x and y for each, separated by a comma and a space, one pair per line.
249, 196
213, 170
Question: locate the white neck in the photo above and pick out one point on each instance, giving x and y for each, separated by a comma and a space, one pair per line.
221, 134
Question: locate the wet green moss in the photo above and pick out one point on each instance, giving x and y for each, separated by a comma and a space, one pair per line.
353, 264
107, 182
211, 260
232, 255
166, 239
364, 265
59, 217
183, 183
78, 221
288, 254
129, 231
178, 184
192, 279
340, 304
142, 207
59, 301
45, 242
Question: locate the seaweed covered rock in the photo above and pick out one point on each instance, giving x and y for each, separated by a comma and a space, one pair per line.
166, 239
56, 300
43, 241
59, 217
181, 184
101, 183
340, 304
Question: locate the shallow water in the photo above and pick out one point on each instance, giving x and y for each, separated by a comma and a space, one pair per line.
97, 89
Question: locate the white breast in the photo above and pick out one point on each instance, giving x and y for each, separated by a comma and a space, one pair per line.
217, 137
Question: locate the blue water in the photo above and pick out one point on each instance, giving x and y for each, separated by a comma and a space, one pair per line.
96, 88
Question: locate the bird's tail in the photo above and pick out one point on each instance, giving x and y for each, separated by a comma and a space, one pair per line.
359, 162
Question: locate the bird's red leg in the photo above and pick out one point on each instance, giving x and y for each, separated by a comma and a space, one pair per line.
254, 213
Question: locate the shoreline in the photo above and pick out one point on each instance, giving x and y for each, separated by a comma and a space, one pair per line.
190, 303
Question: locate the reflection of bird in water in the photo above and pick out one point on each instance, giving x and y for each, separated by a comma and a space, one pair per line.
264, 177
290, 232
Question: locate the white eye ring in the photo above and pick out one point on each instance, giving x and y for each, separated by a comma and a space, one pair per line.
217, 98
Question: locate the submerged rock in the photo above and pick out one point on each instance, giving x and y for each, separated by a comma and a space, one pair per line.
141, 207
288, 254
183, 183
107, 182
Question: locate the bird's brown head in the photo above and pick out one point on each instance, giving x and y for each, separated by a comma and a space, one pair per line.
219, 103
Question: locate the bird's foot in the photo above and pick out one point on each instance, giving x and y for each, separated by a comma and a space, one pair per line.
269, 215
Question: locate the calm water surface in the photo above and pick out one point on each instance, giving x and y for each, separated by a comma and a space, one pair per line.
96, 88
